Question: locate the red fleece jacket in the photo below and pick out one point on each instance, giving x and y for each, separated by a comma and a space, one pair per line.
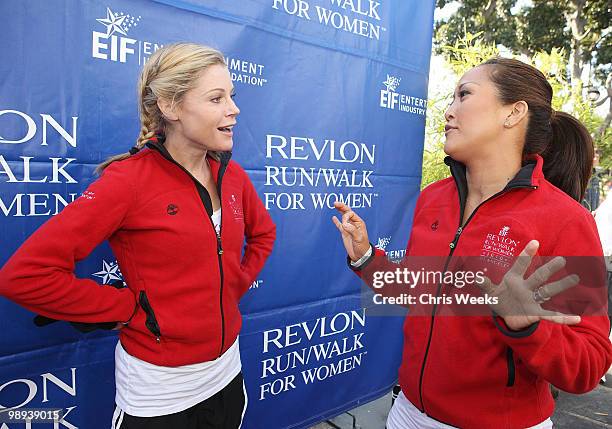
186, 280
471, 371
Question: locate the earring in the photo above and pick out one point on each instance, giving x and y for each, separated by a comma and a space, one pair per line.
506, 124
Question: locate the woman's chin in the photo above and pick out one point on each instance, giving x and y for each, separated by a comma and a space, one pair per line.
225, 147
455, 152
449, 148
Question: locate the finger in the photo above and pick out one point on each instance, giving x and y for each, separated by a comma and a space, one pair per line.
351, 229
355, 218
337, 223
486, 286
347, 217
352, 218
560, 318
341, 207
344, 228
524, 259
551, 289
542, 274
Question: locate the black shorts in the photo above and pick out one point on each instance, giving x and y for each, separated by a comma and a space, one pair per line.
224, 410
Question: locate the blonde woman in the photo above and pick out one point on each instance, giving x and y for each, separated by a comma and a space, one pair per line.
176, 212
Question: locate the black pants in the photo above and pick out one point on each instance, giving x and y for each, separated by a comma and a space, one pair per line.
224, 410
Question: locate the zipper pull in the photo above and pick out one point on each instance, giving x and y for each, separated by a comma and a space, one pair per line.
453, 243
219, 246
157, 339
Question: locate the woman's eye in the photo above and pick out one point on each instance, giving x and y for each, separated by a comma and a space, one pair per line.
216, 99
463, 93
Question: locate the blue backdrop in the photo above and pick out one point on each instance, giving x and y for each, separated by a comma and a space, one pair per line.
332, 94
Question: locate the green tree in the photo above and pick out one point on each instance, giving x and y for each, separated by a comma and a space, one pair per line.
576, 33
580, 27
472, 50
491, 17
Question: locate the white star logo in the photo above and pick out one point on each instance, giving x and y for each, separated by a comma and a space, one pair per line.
113, 23
109, 272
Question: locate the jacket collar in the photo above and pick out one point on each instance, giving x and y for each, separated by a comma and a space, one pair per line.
157, 143
530, 174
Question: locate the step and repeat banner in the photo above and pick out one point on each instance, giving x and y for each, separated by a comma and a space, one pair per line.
333, 100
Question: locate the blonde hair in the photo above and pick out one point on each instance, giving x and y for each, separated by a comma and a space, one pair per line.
168, 74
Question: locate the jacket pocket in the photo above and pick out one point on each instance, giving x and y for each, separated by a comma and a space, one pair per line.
151, 321
511, 367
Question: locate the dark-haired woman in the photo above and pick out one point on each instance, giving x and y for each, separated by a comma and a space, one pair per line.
519, 169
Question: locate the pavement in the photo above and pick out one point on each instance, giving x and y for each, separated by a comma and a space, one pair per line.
592, 410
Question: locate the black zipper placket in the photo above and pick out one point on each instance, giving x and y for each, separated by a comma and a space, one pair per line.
220, 254
200, 188
151, 320
453, 246
511, 367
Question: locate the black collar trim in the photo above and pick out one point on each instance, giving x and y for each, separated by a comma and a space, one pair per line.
521, 179
158, 141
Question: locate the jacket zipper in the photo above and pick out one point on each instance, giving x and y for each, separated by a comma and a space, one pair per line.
151, 321
219, 245
453, 246
511, 367
200, 187
220, 255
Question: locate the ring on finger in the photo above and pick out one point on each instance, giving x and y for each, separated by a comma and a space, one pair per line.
540, 295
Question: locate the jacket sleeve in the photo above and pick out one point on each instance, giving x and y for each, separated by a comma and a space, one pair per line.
372, 269
40, 274
571, 357
260, 231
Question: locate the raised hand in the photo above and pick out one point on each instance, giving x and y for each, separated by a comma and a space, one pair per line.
519, 299
353, 230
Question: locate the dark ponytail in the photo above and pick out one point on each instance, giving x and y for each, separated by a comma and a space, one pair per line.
568, 159
562, 140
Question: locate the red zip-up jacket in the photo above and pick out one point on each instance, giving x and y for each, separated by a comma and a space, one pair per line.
186, 279
471, 371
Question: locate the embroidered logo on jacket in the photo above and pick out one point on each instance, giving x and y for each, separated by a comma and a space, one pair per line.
236, 208
500, 248
172, 209
88, 195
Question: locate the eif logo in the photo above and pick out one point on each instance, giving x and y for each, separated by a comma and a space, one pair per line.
504, 231
393, 255
382, 243
391, 99
388, 97
114, 44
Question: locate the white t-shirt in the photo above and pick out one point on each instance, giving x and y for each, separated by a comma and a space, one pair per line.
216, 218
148, 390
404, 415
